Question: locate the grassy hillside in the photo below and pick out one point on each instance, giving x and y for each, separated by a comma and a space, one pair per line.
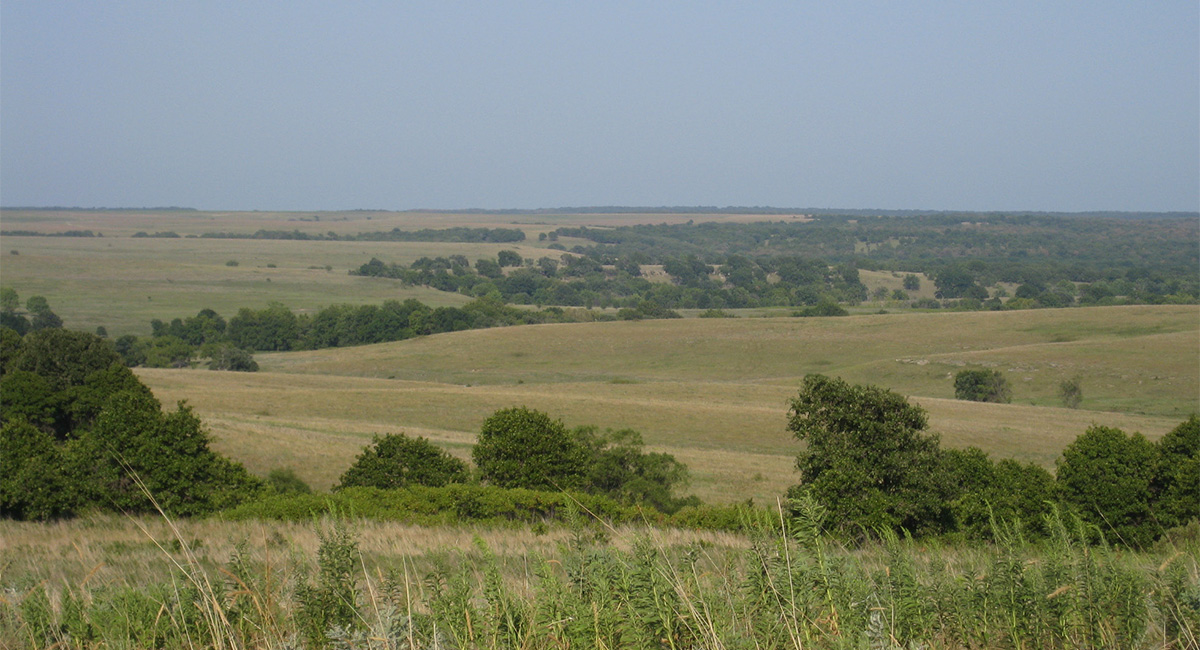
712, 392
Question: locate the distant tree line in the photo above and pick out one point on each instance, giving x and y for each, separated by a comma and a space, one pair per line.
459, 234
606, 281
1117, 261
276, 328
33, 233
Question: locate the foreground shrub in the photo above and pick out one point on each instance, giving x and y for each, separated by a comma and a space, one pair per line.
424, 505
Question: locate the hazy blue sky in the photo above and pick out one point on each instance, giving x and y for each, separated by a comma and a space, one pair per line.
980, 105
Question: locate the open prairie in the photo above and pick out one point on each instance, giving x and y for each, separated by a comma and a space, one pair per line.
713, 392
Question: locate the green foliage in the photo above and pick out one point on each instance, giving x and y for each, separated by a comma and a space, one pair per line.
520, 447
1070, 391
1107, 477
618, 467
826, 307
452, 504
1007, 491
867, 459
63, 357
225, 356
34, 485
1177, 481
395, 461
283, 480
982, 386
79, 424
510, 258
135, 452
331, 601
912, 282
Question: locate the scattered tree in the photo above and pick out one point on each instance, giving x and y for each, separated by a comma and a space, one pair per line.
1071, 392
982, 386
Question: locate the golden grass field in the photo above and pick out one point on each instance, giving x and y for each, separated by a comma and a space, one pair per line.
714, 392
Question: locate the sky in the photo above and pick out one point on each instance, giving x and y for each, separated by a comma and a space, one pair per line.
987, 105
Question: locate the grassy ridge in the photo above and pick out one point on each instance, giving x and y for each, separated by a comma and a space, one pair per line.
712, 392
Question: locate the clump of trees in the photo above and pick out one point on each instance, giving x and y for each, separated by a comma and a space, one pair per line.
870, 462
982, 386
79, 432
524, 449
36, 316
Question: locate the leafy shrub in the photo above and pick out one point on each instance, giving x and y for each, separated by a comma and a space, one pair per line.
1071, 392
618, 467
284, 481
1177, 481
1106, 476
982, 386
867, 458
450, 504
519, 447
395, 460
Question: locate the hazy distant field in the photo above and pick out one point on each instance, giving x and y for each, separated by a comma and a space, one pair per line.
712, 392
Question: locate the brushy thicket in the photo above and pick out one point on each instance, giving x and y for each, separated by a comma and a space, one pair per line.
781, 586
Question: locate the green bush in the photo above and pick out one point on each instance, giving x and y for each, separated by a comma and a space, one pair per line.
395, 460
519, 447
982, 386
1106, 476
867, 459
451, 504
285, 481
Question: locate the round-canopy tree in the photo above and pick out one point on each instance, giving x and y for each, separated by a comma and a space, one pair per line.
867, 459
395, 461
982, 386
523, 448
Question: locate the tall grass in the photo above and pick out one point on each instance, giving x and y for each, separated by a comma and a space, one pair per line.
783, 585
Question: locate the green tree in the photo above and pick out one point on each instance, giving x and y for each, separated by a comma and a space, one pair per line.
33, 485
1070, 391
1177, 481
10, 316
912, 283
284, 481
395, 461
867, 459
982, 386
523, 448
134, 448
1107, 477
619, 467
510, 258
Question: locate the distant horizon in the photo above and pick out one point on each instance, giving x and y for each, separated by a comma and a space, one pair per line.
627, 209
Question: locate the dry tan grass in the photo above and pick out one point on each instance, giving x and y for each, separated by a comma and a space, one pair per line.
713, 393
110, 550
